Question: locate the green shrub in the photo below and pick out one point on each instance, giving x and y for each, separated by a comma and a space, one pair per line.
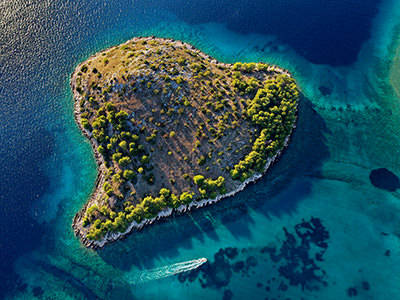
149, 178
145, 159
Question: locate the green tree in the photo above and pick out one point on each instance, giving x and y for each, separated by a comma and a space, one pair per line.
121, 116
110, 107
101, 150
186, 198
165, 192
175, 201
117, 156
198, 180
129, 174
123, 145
124, 161
86, 124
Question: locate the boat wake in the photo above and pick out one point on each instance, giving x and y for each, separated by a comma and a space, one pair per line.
166, 271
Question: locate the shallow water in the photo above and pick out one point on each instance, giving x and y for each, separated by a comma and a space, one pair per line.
314, 227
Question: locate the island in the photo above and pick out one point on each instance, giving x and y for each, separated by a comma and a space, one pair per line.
173, 129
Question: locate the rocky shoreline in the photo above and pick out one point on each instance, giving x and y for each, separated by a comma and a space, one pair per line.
98, 191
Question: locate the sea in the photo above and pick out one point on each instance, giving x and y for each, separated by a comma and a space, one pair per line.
323, 223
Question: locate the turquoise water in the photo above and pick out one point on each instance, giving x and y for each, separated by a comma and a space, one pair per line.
313, 228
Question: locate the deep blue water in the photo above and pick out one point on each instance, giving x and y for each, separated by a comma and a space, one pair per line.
324, 32
347, 116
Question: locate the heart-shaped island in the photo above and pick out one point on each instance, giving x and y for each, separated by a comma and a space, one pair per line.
173, 129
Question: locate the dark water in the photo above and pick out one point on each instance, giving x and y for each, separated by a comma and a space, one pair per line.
324, 32
316, 207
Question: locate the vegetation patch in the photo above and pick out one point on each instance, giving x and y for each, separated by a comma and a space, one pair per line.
170, 127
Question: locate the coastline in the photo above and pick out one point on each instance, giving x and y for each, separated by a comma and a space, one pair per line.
98, 191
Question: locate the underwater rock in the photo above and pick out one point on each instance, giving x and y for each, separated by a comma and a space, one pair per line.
325, 91
384, 179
